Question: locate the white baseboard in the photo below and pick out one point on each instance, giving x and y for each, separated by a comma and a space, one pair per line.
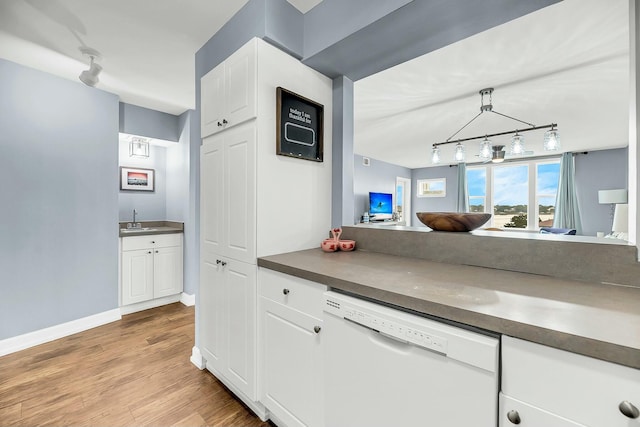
196, 358
188, 299
152, 303
31, 339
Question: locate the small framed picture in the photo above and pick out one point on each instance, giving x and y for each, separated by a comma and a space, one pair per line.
432, 187
300, 123
137, 179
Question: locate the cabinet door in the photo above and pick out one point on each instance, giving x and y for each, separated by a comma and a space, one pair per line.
528, 415
212, 101
240, 85
213, 324
211, 196
137, 276
292, 364
167, 271
239, 216
240, 313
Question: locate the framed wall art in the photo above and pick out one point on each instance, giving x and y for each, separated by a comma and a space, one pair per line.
300, 123
137, 179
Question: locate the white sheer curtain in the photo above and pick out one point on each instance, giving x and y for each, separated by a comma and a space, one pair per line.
567, 213
463, 192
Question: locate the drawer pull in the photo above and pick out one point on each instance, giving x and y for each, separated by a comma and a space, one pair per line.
219, 124
285, 291
218, 262
514, 417
317, 329
224, 121
149, 252
153, 241
628, 409
223, 263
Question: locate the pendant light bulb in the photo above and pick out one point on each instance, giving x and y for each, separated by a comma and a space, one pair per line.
459, 154
517, 144
552, 140
485, 149
435, 155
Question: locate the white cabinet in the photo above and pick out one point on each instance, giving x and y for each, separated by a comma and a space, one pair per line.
252, 202
228, 92
514, 412
290, 337
151, 267
228, 323
576, 389
228, 194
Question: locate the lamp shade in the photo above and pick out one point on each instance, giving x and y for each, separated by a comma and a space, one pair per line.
621, 218
612, 196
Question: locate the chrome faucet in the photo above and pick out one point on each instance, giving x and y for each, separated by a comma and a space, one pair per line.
134, 224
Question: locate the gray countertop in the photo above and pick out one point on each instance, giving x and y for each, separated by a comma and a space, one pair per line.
593, 319
151, 228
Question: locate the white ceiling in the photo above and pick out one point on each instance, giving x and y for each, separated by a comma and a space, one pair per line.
148, 46
567, 63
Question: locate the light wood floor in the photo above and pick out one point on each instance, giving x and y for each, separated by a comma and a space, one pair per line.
133, 372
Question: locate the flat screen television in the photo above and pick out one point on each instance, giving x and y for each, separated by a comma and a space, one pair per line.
380, 206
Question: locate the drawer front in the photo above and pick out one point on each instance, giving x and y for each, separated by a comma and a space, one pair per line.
299, 294
151, 241
580, 388
514, 412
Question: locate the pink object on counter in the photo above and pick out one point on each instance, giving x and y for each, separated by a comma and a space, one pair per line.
329, 245
347, 245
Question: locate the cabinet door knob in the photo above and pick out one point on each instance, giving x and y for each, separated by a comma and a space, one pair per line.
224, 121
628, 409
285, 291
514, 417
153, 241
317, 329
156, 251
149, 252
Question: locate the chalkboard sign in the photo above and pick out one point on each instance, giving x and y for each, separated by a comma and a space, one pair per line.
299, 126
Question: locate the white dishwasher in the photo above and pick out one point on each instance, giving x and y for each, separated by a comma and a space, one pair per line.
386, 367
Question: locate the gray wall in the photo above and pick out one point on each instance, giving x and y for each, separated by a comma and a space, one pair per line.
150, 206
599, 170
379, 176
142, 121
58, 221
434, 204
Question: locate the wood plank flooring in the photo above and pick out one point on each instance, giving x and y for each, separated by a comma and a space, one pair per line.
133, 372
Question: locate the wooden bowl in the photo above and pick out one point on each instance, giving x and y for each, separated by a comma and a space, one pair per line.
453, 221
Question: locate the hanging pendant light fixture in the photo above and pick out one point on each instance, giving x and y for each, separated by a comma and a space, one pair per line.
139, 147
435, 155
517, 145
459, 154
551, 138
485, 149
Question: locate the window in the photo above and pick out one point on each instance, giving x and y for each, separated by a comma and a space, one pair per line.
432, 187
519, 194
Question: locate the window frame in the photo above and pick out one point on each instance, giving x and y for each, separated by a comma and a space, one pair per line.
533, 213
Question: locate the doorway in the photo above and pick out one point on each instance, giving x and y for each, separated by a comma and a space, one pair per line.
403, 200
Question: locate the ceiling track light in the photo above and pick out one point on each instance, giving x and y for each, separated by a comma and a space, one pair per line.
551, 137
90, 76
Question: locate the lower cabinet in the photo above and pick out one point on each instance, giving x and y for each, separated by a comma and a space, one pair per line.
290, 340
228, 322
151, 267
547, 387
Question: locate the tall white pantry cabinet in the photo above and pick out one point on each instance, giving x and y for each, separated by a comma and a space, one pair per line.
253, 202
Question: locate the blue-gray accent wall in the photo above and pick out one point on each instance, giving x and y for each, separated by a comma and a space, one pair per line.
58, 221
599, 170
142, 121
378, 177
434, 204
